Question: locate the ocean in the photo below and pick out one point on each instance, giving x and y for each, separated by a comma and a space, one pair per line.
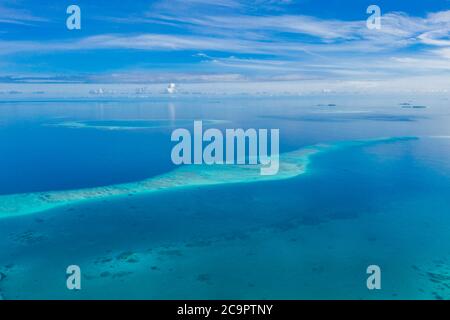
376, 192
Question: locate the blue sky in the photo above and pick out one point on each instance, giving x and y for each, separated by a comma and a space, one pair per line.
224, 41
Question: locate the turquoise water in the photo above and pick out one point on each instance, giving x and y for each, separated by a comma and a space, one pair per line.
375, 191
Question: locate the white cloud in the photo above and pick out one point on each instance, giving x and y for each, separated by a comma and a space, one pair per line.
18, 16
315, 48
261, 34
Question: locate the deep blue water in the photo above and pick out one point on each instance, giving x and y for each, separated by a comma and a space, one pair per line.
308, 237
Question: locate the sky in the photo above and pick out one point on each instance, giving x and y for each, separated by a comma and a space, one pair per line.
226, 41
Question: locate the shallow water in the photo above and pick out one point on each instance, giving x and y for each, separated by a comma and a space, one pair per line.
310, 236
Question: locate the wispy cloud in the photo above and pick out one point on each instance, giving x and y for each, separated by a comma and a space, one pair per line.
9, 15
261, 35
293, 33
398, 30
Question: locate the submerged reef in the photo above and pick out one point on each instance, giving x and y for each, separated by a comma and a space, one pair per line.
292, 164
131, 124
